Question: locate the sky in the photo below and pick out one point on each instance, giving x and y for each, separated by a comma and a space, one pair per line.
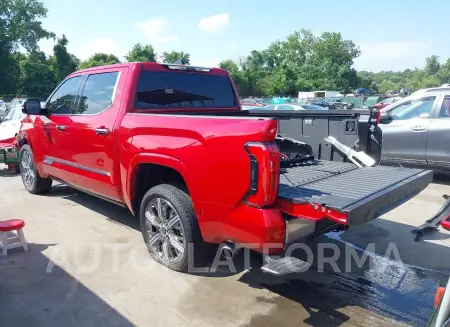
392, 35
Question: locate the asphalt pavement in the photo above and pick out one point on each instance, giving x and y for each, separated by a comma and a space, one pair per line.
87, 266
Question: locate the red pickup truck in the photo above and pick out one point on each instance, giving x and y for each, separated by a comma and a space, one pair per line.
171, 143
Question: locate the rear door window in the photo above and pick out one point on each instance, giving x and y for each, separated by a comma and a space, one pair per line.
445, 108
167, 89
98, 93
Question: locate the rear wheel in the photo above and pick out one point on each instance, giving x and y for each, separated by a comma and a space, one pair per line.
170, 228
31, 179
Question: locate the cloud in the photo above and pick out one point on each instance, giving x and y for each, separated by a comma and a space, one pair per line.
156, 30
104, 45
377, 56
214, 23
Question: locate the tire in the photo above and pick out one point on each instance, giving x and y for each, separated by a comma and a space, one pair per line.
37, 184
165, 237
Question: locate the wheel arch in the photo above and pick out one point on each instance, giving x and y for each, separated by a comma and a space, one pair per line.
148, 170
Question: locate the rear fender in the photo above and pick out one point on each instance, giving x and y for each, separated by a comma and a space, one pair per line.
129, 174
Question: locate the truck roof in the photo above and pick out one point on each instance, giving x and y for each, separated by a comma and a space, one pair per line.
154, 66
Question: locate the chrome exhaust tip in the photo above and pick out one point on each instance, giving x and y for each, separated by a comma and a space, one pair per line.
228, 250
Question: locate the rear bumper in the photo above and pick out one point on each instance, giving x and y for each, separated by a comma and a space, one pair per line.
327, 196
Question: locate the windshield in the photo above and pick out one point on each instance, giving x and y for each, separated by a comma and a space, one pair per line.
158, 90
15, 113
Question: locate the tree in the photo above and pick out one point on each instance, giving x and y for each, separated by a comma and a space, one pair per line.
432, 65
62, 62
99, 59
172, 56
141, 53
302, 62
20, 28
36, 77
237, 75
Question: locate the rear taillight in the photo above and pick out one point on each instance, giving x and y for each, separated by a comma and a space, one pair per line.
264, 174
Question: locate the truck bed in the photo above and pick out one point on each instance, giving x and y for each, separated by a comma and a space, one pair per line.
362, 193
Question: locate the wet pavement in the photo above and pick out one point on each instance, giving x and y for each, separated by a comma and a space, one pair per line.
372, 282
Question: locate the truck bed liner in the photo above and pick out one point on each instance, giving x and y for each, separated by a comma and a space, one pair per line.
364, 193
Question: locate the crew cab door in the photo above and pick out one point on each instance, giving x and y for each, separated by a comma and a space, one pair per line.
91, 151
51, 129
405, 138
438, 150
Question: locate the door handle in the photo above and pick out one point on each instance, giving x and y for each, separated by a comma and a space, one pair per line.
102, 131
61, 128
418, 128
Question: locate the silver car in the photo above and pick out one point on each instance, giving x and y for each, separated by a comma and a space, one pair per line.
416, 130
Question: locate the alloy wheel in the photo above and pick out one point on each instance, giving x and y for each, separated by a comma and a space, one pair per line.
27, 169
165, 230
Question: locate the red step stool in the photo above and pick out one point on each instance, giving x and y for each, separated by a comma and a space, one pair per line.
15, 241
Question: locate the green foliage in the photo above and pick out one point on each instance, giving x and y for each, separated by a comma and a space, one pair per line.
99, 59
172, 56
141, 53
36, 77
20, 28
62, 63
301, 62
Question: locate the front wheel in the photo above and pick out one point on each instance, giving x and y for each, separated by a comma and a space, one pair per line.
31, 179
170, 228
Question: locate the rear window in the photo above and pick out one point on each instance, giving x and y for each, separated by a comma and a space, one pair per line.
158, 90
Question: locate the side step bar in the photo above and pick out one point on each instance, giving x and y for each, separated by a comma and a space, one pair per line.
284, 266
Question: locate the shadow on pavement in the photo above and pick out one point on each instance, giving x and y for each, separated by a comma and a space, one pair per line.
112, 212
30, 296
442, 178
7, 173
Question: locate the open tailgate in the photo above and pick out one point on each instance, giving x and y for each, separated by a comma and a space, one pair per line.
349, 195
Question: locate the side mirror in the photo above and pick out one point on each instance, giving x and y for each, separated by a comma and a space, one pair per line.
386, 118
32, 107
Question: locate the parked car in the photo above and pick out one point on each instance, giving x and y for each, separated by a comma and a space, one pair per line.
323, 103
339, 104
2, 109
170, 143
290, 107
16, 101
416, 131
252, 102
386, 102
10, 125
